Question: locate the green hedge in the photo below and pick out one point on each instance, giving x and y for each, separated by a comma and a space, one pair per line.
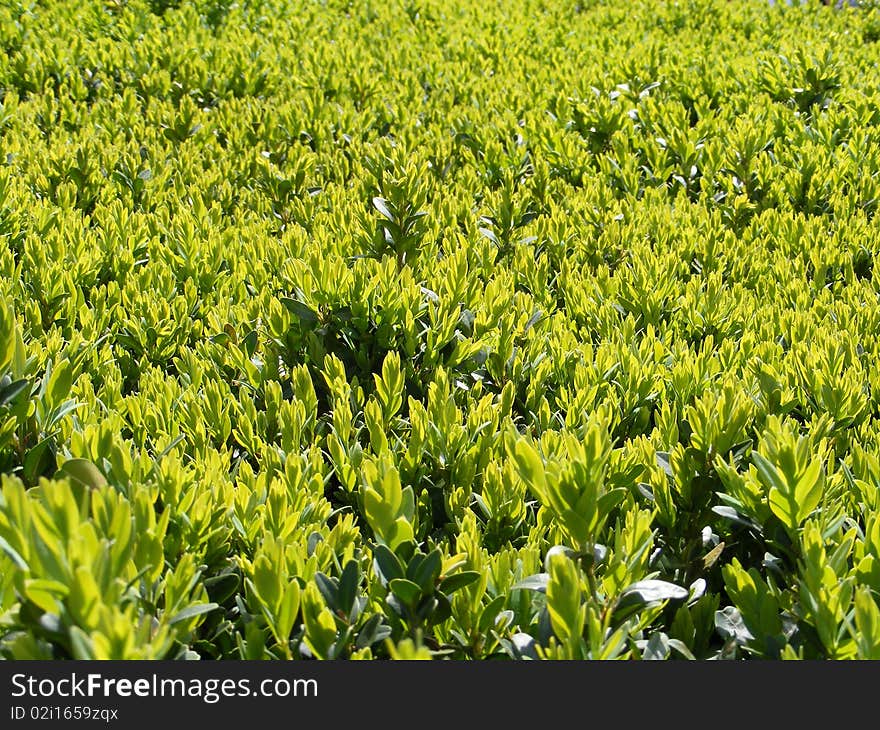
429, 328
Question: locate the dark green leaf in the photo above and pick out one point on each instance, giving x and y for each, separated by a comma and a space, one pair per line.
222, 587
428, 572
12, 391
306, 315
348, 586
372, 632
250, 343
387, 563
191, 611
457, 581
407, 591
329, 589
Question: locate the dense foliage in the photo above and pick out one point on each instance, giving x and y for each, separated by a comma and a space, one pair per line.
519, 328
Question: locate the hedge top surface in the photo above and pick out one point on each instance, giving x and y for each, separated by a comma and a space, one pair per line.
531, 329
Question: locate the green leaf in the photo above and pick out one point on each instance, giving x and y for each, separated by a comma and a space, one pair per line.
530, 467
59, 383
249, 342
557, 550
663, 461
730, 625
729, 513
85, 472
288, 609
429, 571
457, 581
306, 315
13, 554
349, 582
45, 593
784, 507
222, 587
381, 205
387, 562
611, 499
372, 632
61, 411
267, 582
652, 591
192, 611
490, 614
407, 591
13, 390
808, 492
7, 334
412, 567
38, 460
320, 626
564, 601
769, 473
80, 644
329, 590
537, 582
